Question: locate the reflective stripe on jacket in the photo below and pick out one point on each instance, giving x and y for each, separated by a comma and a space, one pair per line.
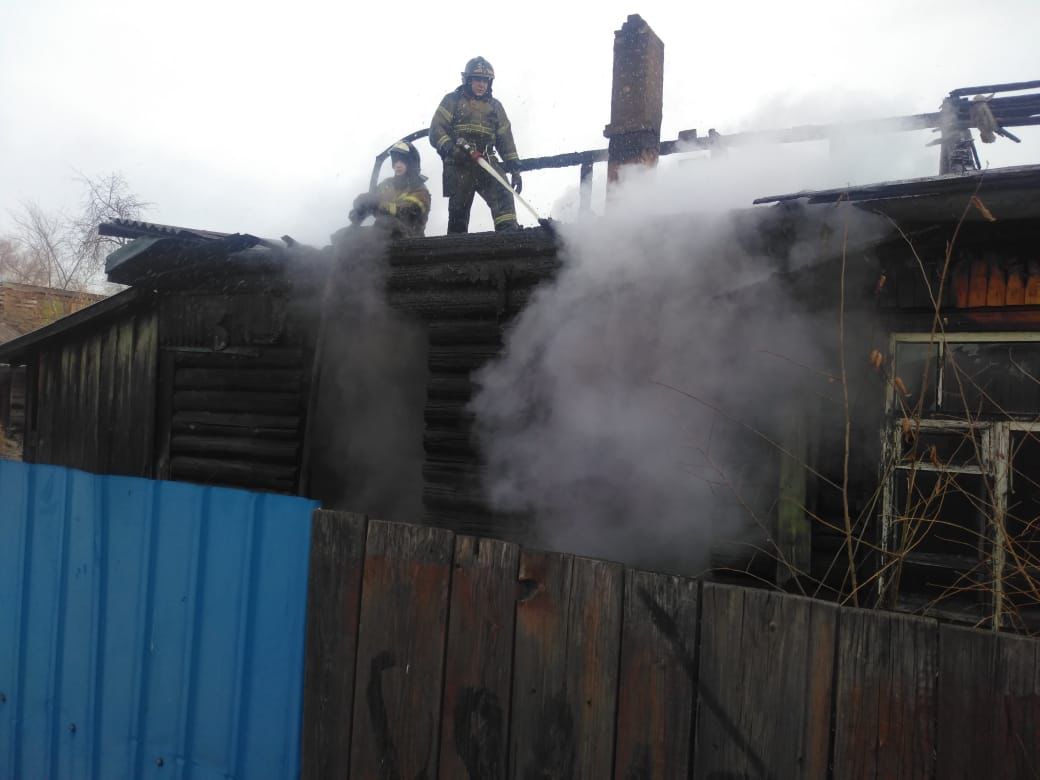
407, 200
481, 121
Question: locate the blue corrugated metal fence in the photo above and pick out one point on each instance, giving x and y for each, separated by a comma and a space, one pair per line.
149, 629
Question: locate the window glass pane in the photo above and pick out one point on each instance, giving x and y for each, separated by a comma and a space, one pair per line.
942, 449
941, 592
916, 369
982, 378
938, 516
1022, 554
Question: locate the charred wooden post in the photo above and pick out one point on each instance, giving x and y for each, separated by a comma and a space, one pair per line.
585, 188
957, 152
634, 132
793, 527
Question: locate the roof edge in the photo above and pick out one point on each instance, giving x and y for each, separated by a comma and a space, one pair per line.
14, 351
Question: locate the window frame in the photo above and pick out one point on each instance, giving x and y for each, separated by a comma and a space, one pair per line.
995, 454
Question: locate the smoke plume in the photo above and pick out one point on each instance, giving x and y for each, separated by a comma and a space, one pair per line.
620, 412
366, 422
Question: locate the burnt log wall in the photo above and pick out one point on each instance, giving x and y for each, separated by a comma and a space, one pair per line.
431, 654
231, 389
202, 385
465, 290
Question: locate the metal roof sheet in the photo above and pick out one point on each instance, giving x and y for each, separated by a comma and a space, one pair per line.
134, 228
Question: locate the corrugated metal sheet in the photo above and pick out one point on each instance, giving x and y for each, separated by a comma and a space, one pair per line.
149, 629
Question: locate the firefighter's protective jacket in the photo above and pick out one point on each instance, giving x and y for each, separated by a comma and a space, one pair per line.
480, 121
406, 200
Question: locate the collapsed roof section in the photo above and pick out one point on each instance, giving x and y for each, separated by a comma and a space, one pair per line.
159, 255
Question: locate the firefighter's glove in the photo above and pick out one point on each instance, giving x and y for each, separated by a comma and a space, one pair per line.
366, 203
461, 151
517, 182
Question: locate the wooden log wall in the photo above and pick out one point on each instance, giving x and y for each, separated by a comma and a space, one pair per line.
465, 289
231, 389
231, 418
436, 655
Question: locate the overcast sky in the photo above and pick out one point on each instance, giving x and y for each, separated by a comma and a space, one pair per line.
266, 117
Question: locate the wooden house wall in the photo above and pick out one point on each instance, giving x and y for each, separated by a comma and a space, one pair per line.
828, 475
92, 403
992, 276
889, 289
6, 374
12, 411
199, 385
231, 388
465, 290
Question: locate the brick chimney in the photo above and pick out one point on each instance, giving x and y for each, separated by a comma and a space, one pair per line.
637, 97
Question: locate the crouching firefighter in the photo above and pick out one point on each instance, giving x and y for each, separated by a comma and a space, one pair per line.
400, 203
469, 120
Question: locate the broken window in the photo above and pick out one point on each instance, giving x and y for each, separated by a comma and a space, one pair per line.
960, 532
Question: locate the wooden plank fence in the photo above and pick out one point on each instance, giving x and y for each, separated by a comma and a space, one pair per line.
436, 655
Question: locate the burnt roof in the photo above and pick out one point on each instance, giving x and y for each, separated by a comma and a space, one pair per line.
160, 253
1007, 193
134, 228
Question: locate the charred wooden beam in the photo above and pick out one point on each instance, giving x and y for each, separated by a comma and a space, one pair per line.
236, 357
273, 381
585, 188
464, 332
460, 358
448, 413
565, 160
476, 303
472, 247
247, 422
221, 401
256, 432
1009, 87
269, 476
469, 271
222, 447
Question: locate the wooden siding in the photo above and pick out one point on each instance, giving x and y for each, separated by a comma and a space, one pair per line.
989, 281
433, 655
93, 399
12, 411
992, 276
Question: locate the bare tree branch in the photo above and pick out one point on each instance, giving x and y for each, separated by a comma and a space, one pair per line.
53, 249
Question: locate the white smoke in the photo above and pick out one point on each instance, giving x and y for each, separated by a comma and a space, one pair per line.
586, 421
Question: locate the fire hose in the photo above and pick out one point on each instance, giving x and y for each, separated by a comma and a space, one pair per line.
480, 160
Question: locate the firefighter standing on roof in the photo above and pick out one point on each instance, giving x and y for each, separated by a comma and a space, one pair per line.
401, 203
471, 116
